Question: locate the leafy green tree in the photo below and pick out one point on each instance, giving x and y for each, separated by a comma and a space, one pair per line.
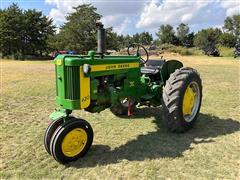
113, 41
10, 29
37, 29
156, 42
56, 42
232, 24
184, 35
207, 37
136, 38
2, 32
166, 34
190, 38
227, 39
79, 32
121, 42
127, 40
145, 38
24, 32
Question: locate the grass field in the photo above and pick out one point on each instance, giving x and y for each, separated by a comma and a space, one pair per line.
135, 148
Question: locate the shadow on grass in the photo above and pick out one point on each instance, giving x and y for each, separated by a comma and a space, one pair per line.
160, 143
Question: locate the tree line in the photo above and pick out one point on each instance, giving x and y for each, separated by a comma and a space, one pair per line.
24, 32
29, 32
79, 32
205, 37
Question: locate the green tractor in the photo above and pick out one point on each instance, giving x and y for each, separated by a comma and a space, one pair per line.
97, 81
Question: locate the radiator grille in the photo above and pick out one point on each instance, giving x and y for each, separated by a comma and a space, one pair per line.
72, 90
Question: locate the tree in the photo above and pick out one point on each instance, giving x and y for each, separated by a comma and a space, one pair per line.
185, 38
207, 37
127, 40
79, 32
190, 39
10, 29
166, 34
145, 38
113, 41
23, 32
121, 42
232, 24
2, 32
41, 28
56, 42
227, 39
136, 38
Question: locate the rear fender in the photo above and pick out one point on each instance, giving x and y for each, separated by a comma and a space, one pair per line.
168, 68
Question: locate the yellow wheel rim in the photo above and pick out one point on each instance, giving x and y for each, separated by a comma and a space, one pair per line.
191, 101
188, 101
74, 142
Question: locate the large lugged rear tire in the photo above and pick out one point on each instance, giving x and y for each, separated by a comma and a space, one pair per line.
181, 101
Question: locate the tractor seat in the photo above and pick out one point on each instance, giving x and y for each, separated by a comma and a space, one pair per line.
152, 67
149, 70
157, 63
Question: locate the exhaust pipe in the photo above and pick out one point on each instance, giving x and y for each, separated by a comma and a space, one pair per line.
101, 38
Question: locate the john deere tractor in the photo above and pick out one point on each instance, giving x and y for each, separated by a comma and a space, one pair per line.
98, 81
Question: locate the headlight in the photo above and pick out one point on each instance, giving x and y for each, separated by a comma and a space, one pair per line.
86, 69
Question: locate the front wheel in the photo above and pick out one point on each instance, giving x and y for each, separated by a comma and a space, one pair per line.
181, 101
71, 140
50, 131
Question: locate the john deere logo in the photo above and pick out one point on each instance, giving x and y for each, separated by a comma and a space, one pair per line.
107, 67
117, 66
111, 67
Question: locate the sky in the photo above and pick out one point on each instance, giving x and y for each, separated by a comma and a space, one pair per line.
132, 16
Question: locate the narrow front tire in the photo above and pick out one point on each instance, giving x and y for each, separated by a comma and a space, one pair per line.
71, 141
49, 132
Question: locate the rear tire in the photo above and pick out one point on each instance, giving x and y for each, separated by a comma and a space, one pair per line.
181, 101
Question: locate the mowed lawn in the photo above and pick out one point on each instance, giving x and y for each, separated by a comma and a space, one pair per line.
123, 148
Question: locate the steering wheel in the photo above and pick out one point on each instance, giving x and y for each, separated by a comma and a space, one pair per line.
139, 46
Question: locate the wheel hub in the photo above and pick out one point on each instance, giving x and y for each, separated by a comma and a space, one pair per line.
74, 142
188, 101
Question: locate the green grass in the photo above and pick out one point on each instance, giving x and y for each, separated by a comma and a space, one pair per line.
226, 51
123, 148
